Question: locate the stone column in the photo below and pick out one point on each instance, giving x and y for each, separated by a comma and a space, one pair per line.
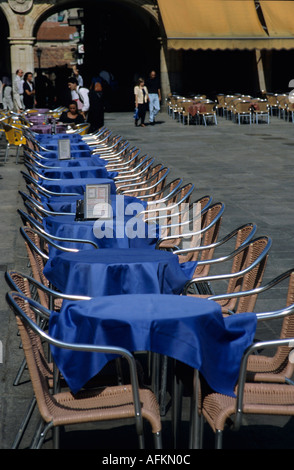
260, 70
22, 16
164, 74
22, 54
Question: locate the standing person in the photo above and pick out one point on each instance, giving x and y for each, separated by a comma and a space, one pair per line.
96, 111
17, 90
153, 86
76, 74
7, 94
28, 91
141, 100
83, 96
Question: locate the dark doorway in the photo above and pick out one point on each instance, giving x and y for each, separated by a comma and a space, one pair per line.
5, 49
122, 40
212, 72
281, 71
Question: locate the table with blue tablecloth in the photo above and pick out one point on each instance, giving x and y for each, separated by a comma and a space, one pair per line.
96, 272
120, 231
77, 185
190, 330
46, 139
74, 153
53, 146
94, 160
77, 172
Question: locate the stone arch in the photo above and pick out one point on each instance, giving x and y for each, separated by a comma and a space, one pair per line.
140, 17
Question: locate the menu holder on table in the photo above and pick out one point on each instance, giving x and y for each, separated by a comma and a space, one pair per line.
64, 149
97, 202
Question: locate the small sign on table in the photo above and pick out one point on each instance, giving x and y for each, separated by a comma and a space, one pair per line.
64, 149
97, 201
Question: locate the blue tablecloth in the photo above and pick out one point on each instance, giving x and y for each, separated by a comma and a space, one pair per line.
102, 272
77, 185
117, 232
78, 172
74, 162
44, 138
53, 154
74, 146
188, 329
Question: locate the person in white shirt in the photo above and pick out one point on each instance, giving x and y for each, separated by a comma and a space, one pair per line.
83, 96
74, 95
7, 94
17, 90
76, 74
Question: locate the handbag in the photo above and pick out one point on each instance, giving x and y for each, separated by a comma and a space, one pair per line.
136, 114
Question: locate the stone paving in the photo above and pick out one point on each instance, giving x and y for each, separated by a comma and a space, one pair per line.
247, 167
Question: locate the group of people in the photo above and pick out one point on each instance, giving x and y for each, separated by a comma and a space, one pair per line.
147, 95
87, 104
19, 94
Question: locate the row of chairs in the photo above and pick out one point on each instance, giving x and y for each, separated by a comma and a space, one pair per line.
248, 260
237, 107
195, 110
14, 125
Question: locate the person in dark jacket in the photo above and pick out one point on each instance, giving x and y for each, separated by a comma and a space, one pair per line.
96, 111
29, 91
72, 116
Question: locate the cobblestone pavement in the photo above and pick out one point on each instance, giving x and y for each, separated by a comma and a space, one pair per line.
250, 169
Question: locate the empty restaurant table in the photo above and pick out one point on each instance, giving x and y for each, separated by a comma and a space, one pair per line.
74, 153
102, 272
76, 185
187, 329
113, 233
73, 162
77, 172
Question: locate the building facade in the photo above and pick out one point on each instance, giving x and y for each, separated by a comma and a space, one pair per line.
197, 46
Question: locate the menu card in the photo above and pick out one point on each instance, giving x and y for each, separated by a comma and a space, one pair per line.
64, 149
97, 201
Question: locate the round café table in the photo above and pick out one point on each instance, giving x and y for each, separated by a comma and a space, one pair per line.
188, 329
102, 272
77, 185
77, 172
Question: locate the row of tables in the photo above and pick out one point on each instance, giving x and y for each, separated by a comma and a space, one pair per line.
134, 289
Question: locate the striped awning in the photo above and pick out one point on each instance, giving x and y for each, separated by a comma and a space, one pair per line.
225, 24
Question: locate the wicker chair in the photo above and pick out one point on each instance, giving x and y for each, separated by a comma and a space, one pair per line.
64, 408
208, 112
248, 265
186, 217
275, 368
283, 101
273, 103
252, 398
171, 210
260, 110
242, 110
